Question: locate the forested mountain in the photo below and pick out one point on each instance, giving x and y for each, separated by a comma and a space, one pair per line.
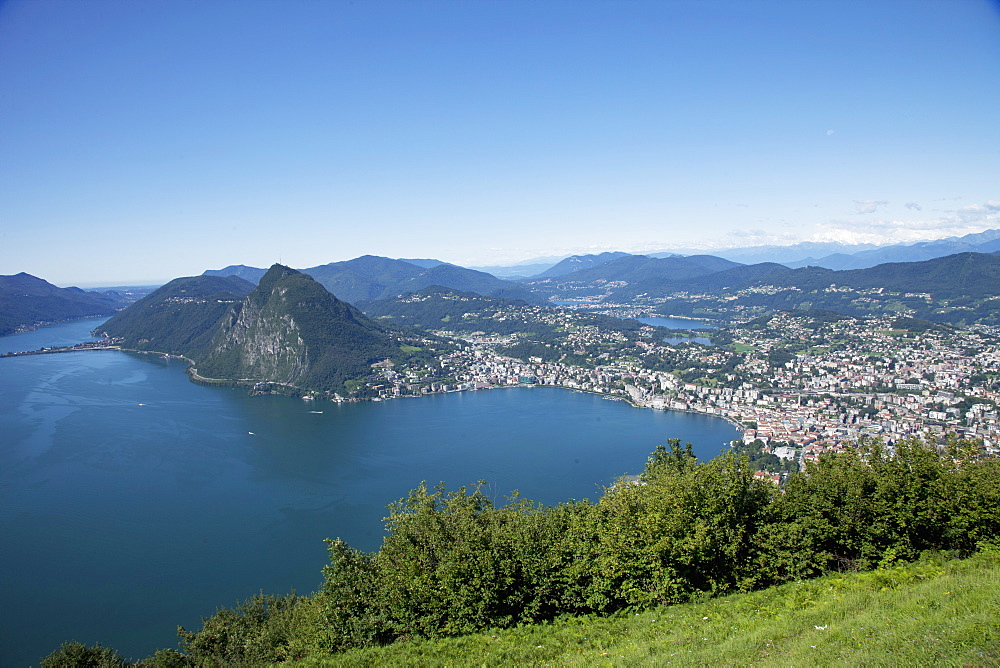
981, 242
178, 318
577, 262
960, 289
26, 301
426, 263
439, 308
960, 275
465, 280
364, 278
635, 268
735, 277
965, 279
252, 274
287, 330
290, 330
371, 277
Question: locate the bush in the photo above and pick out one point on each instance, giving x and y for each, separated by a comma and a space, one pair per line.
77, 655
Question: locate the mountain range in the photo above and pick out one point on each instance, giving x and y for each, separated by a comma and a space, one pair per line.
962, 274
371, 277
285, 327
827, 254
577, 262
972, 275
983, 242
835, 255
27, 301
628, 271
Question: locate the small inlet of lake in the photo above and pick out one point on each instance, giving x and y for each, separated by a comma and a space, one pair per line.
680, 323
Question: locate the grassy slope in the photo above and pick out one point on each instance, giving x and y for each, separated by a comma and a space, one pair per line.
941, 614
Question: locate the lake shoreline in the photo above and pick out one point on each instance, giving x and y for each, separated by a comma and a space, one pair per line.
311, 394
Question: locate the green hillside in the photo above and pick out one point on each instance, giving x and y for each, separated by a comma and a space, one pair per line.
363, 278
969, 275
959, 289
178, 318
372, 277
933, 613
715, 282
463, 280
637, 268
577, 262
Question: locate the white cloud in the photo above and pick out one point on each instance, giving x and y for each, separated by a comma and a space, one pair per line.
869, 205
850, 230
738, 238
992, 207
913, 206
967, 220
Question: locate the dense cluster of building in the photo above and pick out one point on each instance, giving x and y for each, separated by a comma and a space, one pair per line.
847, 378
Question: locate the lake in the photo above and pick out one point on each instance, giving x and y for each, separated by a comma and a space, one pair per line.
132, 500
680, 323
676, 323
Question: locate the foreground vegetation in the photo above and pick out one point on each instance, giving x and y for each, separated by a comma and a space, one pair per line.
928, 613
453, 564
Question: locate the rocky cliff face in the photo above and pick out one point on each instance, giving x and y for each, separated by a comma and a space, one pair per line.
261, 340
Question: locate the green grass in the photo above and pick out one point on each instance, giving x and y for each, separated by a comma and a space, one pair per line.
928, 614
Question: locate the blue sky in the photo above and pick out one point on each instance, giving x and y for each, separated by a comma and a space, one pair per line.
140, 141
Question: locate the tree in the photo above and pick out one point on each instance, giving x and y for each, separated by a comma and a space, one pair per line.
873, 505
350, 599
684, 529
255, 632
77, 655
452, 563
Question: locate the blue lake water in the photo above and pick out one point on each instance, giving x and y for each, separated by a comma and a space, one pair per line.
572, 302
670, 323
674, 340
54, 336
680, 323
676, 323
132, 500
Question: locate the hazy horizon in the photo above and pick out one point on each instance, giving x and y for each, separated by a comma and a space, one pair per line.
146, 141
550, 260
